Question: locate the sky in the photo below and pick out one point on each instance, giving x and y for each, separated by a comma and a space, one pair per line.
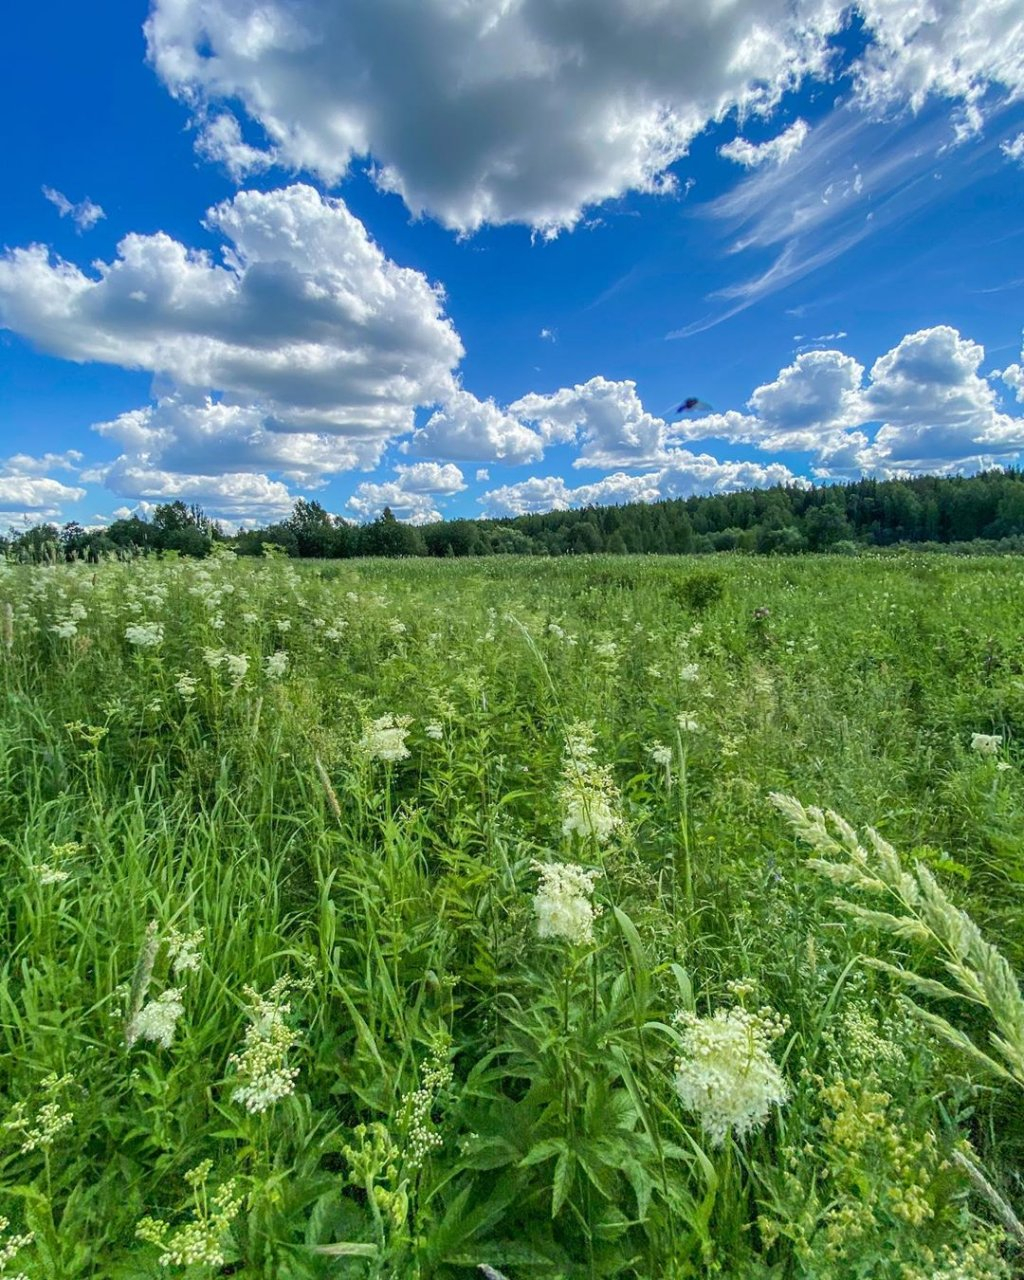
466, 257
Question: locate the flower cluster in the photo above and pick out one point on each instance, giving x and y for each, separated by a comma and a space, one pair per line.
261, 1067
201, 1241
435, 1077
276, 664
49, 1122
563, 902
986, 744
384, 738
10, 1248
587, 794
725, 1073
145, 635
157, 1019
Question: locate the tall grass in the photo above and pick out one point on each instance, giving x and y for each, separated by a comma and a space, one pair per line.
440, 1084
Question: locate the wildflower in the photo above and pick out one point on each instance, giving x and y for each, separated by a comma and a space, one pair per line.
50, 1121
249, 618
77, 611
157, 1019
199, 1242
385, 738
563, 902
236, 665
436, 1076
986, 744
276, 665
183, 949
11, 1248
587, 793
283, 624
397, 627
66, 630
689, 673
687, 723
214, 658
434, 730
261, 1066
47, 874
660, 754
186, 685
725, 1073
144, 635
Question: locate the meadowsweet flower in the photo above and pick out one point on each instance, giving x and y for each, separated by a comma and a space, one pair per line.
435, 1076
276, 664
660, 754
183, 949
237, 666
587, 793
214, 658
687, 723
986, 744
689, 673
186, 685
49, 1122
397, 627
66, 629
725, 1073
563, 901
145, 635
77, 611
201, 1241
157, 1019
283, 624
434, 730
261, 1066
48, 874
11, 1247
385, 737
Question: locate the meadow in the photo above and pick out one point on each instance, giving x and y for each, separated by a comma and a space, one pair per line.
419, 919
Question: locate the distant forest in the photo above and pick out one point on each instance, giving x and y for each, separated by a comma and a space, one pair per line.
967, 514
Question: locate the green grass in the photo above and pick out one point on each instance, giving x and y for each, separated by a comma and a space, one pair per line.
467, 1092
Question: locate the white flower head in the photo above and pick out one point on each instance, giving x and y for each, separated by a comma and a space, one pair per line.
563, 901
725, 1073
588, 796
660, 754
986, 744
262, 1069
157, 1019
384, 738
186, 685
689, 673
434, 730
145, 635
687, 723
276, 664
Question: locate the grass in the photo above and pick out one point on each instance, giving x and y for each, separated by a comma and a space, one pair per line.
439, 1087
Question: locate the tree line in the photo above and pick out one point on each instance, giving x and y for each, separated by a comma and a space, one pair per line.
984, 512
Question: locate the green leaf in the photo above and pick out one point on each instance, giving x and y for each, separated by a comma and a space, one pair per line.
562, 1184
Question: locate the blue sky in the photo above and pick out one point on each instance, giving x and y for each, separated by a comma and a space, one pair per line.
466, 259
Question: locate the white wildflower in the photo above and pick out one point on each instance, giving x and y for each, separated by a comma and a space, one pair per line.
157, 1019
283, 624
186, 685
214, 658
385, 737
249, 618
237, 666
183, 949
397, 627
725, 1073
563, 901
689, 673
47, 874
144, 635
434, 730
587, 794
262, 1069
77, 610
986, 744
276, 664
11, 1247
660, 754
66, 630
687, 723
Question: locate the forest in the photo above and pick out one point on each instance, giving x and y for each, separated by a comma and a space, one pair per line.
983, 513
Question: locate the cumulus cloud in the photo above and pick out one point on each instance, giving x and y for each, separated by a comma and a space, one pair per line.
85, 214
495, 112
687, 474
482, 474
306, 317
606, 417
923, 407
28, 496
472, 430
412, 497
232, 496
776, 151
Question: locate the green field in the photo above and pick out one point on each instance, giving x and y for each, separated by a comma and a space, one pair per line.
387, 919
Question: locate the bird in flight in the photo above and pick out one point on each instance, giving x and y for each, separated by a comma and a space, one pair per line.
691, 403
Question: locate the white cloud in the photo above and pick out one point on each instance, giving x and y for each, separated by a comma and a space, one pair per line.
470, 430
229, 496
777, 151
924, 407
549, 335
482, 474
27, 496
528, 112
606, 416
1014, 148
220, 140
85, 214
412, 497
687, 474
306, 318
